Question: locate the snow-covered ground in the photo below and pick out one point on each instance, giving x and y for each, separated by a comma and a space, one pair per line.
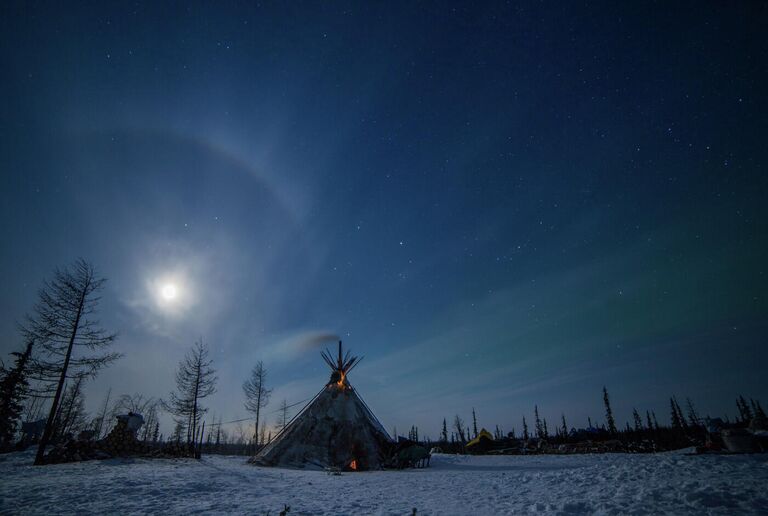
670, 483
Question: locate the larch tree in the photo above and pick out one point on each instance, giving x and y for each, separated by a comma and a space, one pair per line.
71, 341
256, 395
195, 381
474, 423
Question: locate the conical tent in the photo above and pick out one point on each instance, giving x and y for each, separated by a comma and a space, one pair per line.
335, 429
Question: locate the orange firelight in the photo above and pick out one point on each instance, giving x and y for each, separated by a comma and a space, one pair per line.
353, 465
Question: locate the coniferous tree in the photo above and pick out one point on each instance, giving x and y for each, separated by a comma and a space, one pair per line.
757, 409
544, 427
564, 428
648, 420
256, 394
674, 415
444, 433
655, 421
195, 381
178, 430
680, 416
13, 389
744, 411
525, 430
474, 422
608, 412
539, 427
693, 416
589, 422
638, 420
63, 326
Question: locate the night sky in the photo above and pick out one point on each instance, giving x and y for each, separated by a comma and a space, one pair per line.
499, 206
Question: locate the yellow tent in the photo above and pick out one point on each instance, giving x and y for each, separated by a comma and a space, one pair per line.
484, 434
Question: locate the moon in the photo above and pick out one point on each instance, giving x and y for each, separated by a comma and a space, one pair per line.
169, 292
172, 292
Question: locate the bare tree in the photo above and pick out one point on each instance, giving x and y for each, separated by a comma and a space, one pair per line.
195, 380
136, 403
240, 432
139, 404
151, 423
33, 408
282, 422
458, 424
256, 394
98, 422
71, 416
62, 324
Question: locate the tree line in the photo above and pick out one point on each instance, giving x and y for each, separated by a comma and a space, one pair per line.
65, 346
642, 433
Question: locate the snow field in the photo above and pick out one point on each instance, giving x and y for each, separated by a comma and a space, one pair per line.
669, 483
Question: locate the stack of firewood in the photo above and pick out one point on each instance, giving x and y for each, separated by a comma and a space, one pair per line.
73, 451
122, 442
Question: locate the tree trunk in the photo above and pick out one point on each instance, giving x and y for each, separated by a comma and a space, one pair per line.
54, 405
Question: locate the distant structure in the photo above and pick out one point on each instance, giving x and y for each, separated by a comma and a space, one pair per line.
336, 429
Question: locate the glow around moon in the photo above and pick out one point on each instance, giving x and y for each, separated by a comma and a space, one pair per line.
171, 293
